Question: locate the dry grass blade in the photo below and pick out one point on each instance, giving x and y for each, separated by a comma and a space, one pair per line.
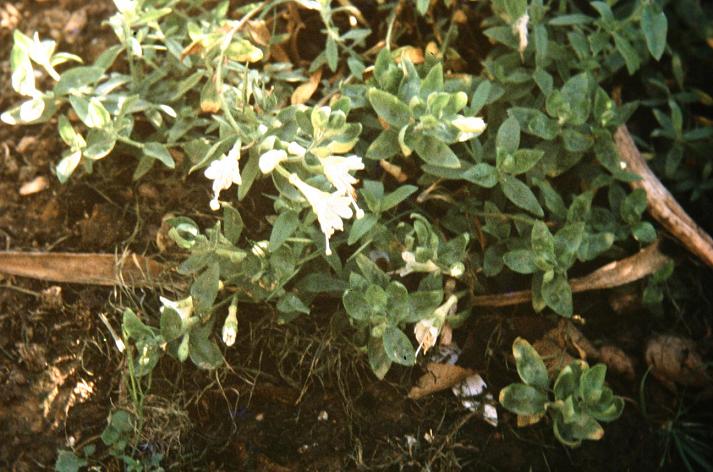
645, 262
662, 206
83, 268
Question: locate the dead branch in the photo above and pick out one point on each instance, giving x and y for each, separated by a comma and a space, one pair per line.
621, 272
662, 206
83, 268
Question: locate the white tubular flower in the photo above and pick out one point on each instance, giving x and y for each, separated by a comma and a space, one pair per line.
336, 169
520, 29
427, 330
184, 307
469, 127
224, 172
296, 149
330, 208
426, 333
270, 160
413, 266
230, 327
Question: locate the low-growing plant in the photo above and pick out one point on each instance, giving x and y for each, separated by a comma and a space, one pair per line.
385, 175
576, 402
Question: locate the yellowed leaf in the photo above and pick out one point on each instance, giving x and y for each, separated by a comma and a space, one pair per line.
394, 171
305, 91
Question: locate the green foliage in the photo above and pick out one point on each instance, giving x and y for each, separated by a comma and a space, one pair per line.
522, 155
576, 403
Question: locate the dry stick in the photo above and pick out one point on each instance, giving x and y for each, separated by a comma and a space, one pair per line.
645, 262
662, 206
83, 268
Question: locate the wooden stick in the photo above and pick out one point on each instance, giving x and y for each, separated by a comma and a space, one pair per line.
662, 206
621, 272
83, 268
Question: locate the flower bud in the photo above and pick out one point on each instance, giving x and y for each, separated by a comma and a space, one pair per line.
271, 159
296, 149
230, 327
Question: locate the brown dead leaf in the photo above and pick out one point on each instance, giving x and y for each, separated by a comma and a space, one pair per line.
438, 377
394, 171
617, 360
415, 55
74, 26
35, 185
305, 91
259, 32
676, 360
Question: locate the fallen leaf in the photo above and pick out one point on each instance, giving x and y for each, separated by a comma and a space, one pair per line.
438, 377
35, 185
394, 171
258, 31
617, 360
305, 91
676, 360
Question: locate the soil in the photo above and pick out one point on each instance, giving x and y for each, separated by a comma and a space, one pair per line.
293, 397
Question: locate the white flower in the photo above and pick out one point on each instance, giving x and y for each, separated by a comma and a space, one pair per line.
427, 330
296, 149
426, 334
230, 327
336, 169
520, 29
270, 160
224, 172
330, 208
469, 127
184, 307
413, 266
259, 249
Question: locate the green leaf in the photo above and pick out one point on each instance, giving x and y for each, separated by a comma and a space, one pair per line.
523, 399
378, 360
521, 161
567, 242
433, 81
204, 352
356, 305
633, 206
171, 324
654, 26
558, 295
384, 146
290, 303
133, 326
389, 108
331, 53
521, 195
508, 137
591, 383
362, 226
627, 51
644, 232
232, 224
482, 174
397, 196
398, 347
530, 366
205, 288
480, 96
436, 152
159, 152
74, 79
371, 271
283, 228
520, 261
100, 143
67, 165
67, 461
422, 6
567, 381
